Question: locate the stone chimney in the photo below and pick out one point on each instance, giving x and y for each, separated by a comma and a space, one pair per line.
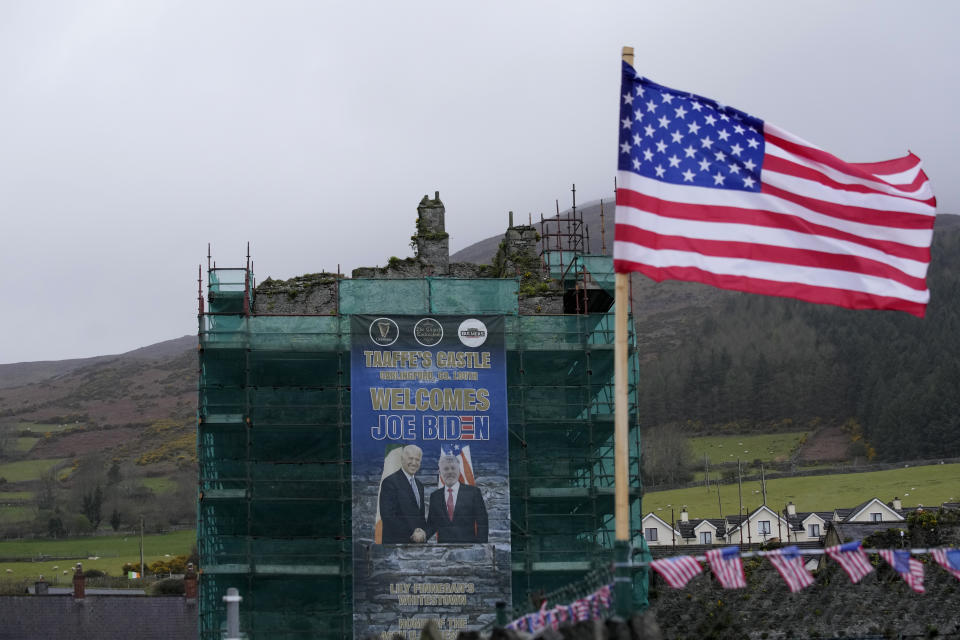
79, 583
897, 505
684, 516
791, 509
432, 239
190, 583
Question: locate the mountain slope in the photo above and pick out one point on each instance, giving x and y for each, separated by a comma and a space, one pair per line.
723, 360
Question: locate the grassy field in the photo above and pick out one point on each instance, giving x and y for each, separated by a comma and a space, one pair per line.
927, 485
159, 485
120, 549
15, 495
27, 469
774, 447
41, 428
17, 513
23, 445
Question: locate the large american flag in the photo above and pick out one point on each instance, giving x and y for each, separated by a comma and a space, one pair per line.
909, 568
710, 194
727, 567
789, 564
852, 558
677, 571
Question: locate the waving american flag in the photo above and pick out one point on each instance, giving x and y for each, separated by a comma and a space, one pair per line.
711, 194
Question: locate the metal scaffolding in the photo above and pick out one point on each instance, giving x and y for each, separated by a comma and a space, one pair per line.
274, 515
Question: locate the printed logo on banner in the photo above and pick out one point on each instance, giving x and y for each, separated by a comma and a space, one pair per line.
428, 332
384, 332
472, 332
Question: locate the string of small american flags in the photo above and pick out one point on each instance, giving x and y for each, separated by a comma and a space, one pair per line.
589, 607
726, 564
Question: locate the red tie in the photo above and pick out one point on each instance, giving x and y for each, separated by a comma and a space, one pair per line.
450, 502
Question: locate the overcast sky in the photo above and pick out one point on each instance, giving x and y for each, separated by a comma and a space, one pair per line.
133, 133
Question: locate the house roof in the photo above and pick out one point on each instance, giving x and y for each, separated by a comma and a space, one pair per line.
863, 506
689, 529
859, 530
798, 521
660, 520
100, 617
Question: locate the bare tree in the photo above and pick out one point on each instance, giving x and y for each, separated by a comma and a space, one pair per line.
666, 456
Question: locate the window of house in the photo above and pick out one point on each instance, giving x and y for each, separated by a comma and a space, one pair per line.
763, 526
876, 517
814, 531
706, 537
650, 535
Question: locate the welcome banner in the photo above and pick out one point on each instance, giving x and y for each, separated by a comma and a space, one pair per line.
431, 497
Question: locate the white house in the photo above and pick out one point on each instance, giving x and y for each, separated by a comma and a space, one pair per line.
762, 524
872, 510
657, 532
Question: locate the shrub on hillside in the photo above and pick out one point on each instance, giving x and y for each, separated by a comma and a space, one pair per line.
81, 525
14, 588
167, 587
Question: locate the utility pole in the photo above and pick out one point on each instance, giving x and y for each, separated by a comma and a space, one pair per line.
706, 472
740, 494
673, 530
143, 569
786, 515
763, 484
719, 504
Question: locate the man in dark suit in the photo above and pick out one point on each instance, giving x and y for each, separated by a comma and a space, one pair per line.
401, 501
457, 512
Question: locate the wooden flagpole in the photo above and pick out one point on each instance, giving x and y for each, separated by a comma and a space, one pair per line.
623, 580
621, 447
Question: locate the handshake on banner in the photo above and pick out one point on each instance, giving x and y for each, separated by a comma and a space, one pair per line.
419, 535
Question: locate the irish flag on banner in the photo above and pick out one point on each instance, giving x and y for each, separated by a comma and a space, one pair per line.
391, 464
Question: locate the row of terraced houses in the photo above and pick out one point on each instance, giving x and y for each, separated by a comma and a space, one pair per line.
763, 524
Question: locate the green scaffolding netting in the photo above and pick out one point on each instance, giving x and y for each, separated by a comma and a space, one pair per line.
273, 444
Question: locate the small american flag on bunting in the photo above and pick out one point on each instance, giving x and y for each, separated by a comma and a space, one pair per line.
949, 559
851, 557
909, 568
727, 566
789, 564
677, 571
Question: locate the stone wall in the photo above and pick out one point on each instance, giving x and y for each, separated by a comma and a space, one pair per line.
311, 293
432, 239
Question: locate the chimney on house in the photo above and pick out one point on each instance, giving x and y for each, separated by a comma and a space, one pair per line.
190, 583
684, 516
79, 583
791, 509
41, 587
897, 505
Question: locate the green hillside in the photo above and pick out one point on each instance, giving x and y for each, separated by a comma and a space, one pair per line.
928, 485
734, 363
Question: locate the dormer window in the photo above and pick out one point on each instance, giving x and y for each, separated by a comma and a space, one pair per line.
876, 517
813, 530
706, 537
